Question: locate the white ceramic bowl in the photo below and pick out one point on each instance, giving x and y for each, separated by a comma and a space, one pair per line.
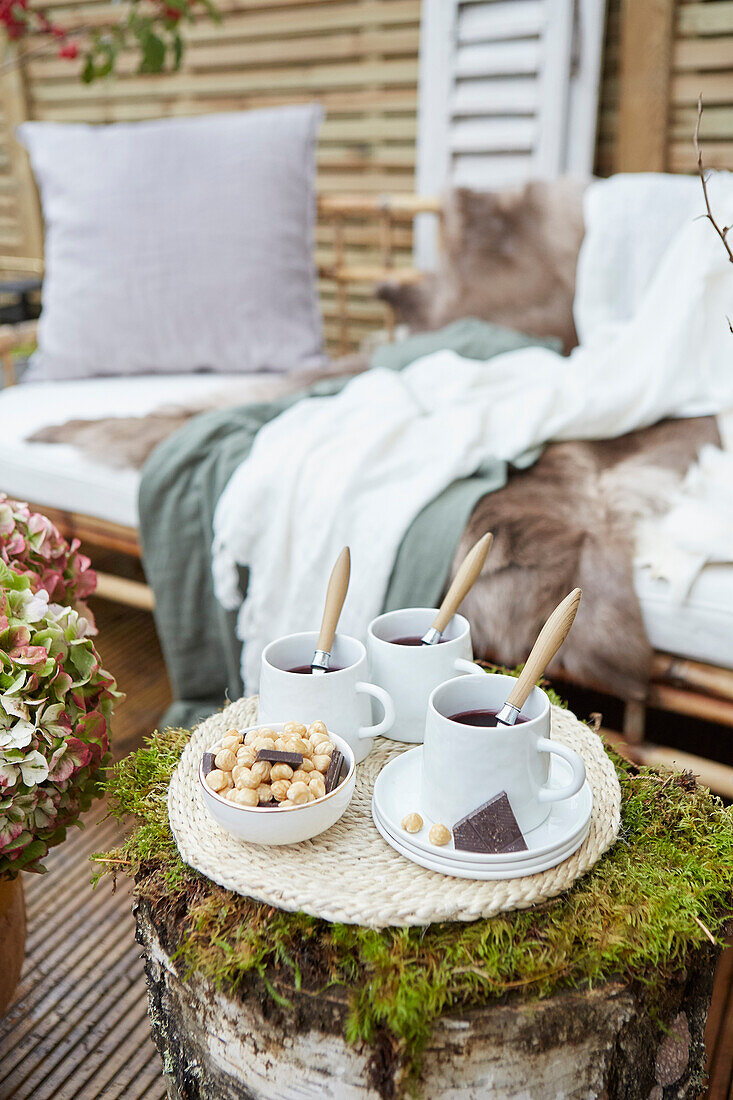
260, 825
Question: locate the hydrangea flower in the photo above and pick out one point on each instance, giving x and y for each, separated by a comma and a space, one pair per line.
33, 547
55, 708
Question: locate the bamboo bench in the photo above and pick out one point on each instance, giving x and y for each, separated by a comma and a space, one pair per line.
383, 225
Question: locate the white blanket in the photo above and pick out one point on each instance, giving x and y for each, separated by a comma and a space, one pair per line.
358, 467
697, 529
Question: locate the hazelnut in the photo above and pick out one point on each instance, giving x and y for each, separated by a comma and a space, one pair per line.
321, 763
317, 785
281, 771
228, 777
248, 780
316, 728
264, 792
280, 744
296, 728
216, 780
280, 789
323, 748
307, 765
261, 771
251, 737
245, 797
300, 776
297, 744
266, 743
412, 823
439, 834
231, 741
237, 772
246, 756
265, 731
225, 760
299, 794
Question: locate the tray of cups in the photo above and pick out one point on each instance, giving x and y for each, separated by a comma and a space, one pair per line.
487, 795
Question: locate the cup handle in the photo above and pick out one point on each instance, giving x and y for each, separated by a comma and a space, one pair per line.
555, 794
461, 665
385, 699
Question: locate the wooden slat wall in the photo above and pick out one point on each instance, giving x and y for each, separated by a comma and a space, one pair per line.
650, 85
359, 58
702, 61
608, 99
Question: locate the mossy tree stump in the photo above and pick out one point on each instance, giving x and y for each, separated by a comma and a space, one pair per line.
614, 1041
602, 991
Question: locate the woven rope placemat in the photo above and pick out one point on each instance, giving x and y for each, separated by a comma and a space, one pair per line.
349, 873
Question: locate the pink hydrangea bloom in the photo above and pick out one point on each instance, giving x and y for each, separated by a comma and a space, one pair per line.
55, 701
32, 546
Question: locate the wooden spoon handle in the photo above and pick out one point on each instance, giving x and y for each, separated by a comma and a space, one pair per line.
463, 582
335, 595
549, 640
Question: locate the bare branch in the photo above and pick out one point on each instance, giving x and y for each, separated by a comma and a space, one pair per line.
722, 233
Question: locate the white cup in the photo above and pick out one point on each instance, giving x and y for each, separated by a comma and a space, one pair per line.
464, 766
409, 673
341, 699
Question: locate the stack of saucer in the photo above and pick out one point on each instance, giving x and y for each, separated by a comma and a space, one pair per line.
397, 792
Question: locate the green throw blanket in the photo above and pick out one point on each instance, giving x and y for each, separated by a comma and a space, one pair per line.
181, 484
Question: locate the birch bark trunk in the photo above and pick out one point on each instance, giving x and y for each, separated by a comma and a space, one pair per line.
606, 1042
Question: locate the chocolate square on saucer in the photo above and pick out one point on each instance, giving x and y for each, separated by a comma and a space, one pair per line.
490, 828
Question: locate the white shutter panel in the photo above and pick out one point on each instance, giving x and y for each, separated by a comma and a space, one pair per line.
508, 92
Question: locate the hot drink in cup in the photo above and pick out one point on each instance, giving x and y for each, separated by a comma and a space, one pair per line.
409, 670
341, 698
468, 758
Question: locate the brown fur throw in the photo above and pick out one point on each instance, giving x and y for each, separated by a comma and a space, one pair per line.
567, 521
508, 257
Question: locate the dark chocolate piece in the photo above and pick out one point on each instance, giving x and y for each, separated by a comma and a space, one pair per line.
333, 775
208, 763
275, 756
491, 827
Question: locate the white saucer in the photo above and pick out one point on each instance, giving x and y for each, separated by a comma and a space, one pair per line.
481, 874
397, 792
501, 862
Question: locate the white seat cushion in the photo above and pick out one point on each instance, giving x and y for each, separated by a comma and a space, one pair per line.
59, 475
701, 627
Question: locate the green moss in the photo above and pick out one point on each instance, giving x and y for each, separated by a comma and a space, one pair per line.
645, 906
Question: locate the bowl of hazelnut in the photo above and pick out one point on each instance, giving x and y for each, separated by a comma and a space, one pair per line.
278, 784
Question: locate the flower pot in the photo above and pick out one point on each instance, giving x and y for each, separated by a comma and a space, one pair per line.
12, 938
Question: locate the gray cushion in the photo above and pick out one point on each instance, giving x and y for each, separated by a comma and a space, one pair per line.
178, 245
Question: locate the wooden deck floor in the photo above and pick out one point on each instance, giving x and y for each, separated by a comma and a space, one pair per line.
79, 1028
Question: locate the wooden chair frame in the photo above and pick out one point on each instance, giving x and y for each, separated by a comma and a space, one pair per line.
677, 685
